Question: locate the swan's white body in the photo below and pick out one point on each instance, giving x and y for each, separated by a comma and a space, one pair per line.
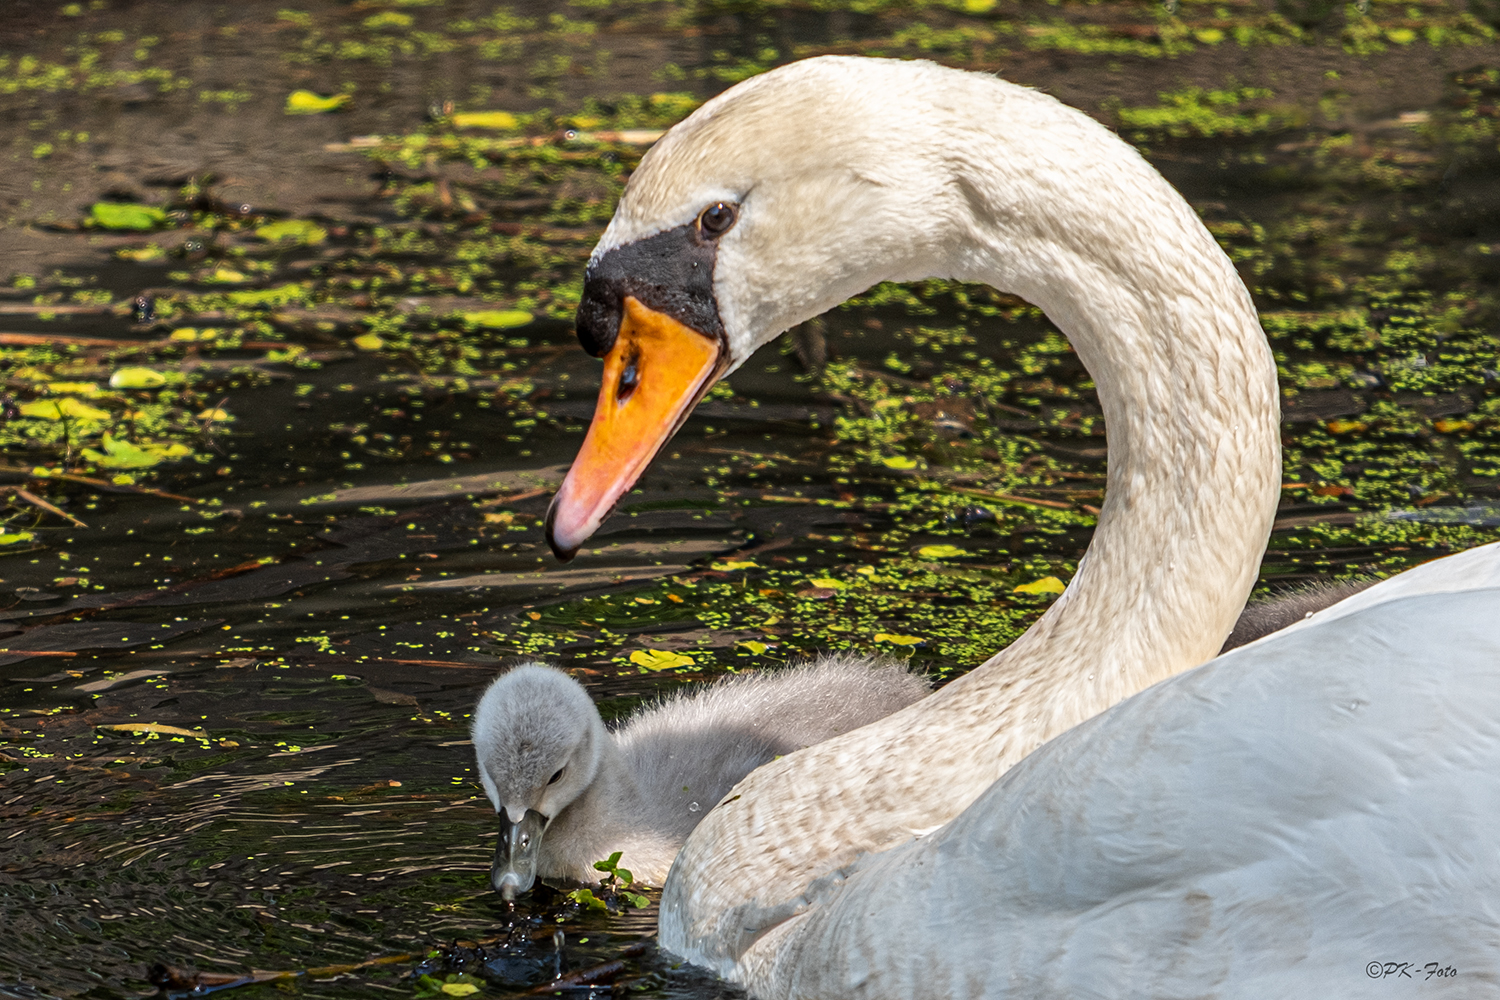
844, 172
1266, 825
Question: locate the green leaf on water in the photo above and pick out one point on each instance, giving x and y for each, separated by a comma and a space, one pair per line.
67, 408
587, 898
369, 342
898, 462
15, 537
941, 552
498, 319
136, 377
305, 102
113, 215
124, 455
292, 231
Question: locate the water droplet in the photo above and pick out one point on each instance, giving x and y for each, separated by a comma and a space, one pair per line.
692, 807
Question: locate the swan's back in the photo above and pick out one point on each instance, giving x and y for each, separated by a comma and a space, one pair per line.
1277, 822
693, 747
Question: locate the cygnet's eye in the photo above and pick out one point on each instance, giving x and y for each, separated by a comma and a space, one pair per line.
715, 220
553, 779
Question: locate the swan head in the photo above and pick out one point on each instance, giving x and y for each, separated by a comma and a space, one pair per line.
539, 741
773, 202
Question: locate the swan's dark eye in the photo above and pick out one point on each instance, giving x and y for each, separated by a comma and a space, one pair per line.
553, 779
716, 219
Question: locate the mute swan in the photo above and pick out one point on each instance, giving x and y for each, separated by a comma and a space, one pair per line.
777, 200
1293, 819
570, 792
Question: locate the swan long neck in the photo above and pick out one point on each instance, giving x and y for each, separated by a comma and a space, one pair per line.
1157, 314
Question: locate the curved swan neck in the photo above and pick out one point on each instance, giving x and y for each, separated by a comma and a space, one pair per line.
852, 171
1116, 258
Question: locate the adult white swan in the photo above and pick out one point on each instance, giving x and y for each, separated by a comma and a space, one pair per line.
788, 194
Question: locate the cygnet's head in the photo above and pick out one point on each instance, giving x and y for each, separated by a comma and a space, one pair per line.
538, 739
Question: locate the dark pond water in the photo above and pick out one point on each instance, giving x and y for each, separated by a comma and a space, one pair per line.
285, 395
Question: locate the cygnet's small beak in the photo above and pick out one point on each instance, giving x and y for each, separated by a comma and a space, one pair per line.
514, 870
654, 374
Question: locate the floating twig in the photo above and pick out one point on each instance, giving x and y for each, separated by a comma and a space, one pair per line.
514, 498
102, 484
595, 975
58, 308
37, 501
1011, 498
48, 339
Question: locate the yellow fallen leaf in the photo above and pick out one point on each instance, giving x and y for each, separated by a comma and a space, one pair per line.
460, 989
734, 564
87, 388
369, 342
755, 647
828, 583
305, 102
1046, 585
941, 552
15, 537
137, 377
486, 119
900, 640
153, 727
216, 414
898, 462
660, 659
498, 319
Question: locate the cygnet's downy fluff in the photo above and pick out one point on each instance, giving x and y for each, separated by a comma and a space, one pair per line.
570, 792
1265, 615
